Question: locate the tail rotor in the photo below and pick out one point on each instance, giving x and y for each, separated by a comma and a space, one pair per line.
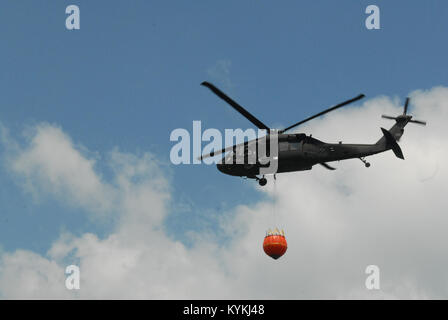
406, 103
405, 116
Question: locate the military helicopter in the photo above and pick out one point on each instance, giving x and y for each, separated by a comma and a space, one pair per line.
299, 152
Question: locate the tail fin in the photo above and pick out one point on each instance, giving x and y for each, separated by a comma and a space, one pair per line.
391, 143
389, 139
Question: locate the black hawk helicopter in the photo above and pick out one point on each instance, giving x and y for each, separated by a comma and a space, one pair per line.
299, 152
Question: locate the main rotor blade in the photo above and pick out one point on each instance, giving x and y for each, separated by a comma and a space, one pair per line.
235, 105
388, 117
324, 112
215, 153
230, 148
236, 146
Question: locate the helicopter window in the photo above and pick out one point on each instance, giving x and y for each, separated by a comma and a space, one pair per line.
294, 146
283, 146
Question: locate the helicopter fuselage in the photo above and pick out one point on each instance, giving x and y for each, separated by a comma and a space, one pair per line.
298, 152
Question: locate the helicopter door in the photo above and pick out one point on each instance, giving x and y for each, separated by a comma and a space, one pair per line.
310, 150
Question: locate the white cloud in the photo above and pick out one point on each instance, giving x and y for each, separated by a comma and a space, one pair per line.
392, 215
23, 274
51, 164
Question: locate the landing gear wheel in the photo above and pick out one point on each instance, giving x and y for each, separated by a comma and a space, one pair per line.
365, 162
262, 181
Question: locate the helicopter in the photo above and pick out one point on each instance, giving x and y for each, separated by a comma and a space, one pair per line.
300, 152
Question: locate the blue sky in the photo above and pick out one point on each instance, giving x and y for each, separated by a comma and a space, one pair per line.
131, 75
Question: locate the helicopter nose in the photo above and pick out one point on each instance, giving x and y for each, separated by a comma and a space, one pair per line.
221, 167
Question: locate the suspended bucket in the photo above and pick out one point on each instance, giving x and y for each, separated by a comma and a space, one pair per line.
274, 244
